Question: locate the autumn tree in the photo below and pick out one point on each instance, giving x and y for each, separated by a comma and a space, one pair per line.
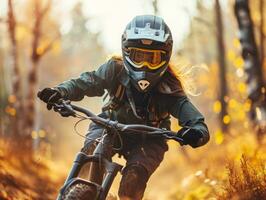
15, 100
222, 64
38, 50
3, 91
79, 49
253, 65
262, 34
81, 44
205, 46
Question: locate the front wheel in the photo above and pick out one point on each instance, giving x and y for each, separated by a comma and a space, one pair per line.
80, 191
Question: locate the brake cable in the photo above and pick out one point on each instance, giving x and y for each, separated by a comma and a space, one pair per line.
82, 118
116, 132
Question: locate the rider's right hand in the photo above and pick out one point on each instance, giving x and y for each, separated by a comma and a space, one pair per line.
49, 96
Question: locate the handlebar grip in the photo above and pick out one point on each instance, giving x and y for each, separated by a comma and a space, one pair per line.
173, 136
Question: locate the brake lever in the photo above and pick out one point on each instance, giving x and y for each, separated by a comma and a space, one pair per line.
64, 108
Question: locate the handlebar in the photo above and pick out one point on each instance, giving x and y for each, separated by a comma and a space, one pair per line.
66, 106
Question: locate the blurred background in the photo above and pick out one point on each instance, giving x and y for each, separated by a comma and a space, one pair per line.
222, 42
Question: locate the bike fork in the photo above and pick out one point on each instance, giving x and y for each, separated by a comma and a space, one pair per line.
111, 171
79, 161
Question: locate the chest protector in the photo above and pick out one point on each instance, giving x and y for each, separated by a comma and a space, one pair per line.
152, 115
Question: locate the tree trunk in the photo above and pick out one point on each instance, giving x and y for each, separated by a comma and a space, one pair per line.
31, 97
222, 67
36, 55
253, 65
15, 102
262, 31
3, 93
32, 75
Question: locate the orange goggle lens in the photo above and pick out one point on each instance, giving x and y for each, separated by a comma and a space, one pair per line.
139, 58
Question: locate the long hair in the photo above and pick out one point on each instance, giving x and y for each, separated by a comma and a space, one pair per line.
186, 74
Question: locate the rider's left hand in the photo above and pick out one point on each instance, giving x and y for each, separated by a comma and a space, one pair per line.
191, 136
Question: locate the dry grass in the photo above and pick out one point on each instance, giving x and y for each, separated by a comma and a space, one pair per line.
247, 181
25, 177
234, 170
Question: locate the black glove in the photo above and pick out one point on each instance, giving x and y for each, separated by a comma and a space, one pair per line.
191, 136
49, 96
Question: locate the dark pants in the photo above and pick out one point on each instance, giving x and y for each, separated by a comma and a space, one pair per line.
143, 156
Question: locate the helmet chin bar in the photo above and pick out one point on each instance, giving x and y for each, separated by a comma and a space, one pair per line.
143, 84
143, 81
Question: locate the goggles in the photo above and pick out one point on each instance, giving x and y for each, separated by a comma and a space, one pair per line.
139, 58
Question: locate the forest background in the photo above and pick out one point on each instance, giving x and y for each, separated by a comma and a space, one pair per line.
45, 42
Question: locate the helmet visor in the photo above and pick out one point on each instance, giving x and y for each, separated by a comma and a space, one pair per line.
139, 58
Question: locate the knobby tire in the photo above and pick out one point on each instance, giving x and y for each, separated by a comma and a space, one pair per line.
80, 191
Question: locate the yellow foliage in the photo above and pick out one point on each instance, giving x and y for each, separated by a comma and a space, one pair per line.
11, 111
247, 180
239, 62
226, 119
214, 65
232, 103
242, 87
56, 47
200, 193
40, 50
26, 177
256, 16
43, 46
231, 55
241, 115
4, 194
21, 32
218, 137
236, 43
34, 134
237, 110
247, 105
217, 106
42, 133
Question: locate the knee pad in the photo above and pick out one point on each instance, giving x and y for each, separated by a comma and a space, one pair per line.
133, 182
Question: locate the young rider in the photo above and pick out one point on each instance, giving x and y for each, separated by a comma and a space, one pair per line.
142, 90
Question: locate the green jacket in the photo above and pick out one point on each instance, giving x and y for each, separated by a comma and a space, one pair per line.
153, 108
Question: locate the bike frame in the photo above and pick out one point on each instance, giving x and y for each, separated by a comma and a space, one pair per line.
102, 169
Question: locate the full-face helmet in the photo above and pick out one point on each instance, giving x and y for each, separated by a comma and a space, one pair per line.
146, 47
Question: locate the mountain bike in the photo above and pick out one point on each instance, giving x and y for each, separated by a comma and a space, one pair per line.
102, 170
